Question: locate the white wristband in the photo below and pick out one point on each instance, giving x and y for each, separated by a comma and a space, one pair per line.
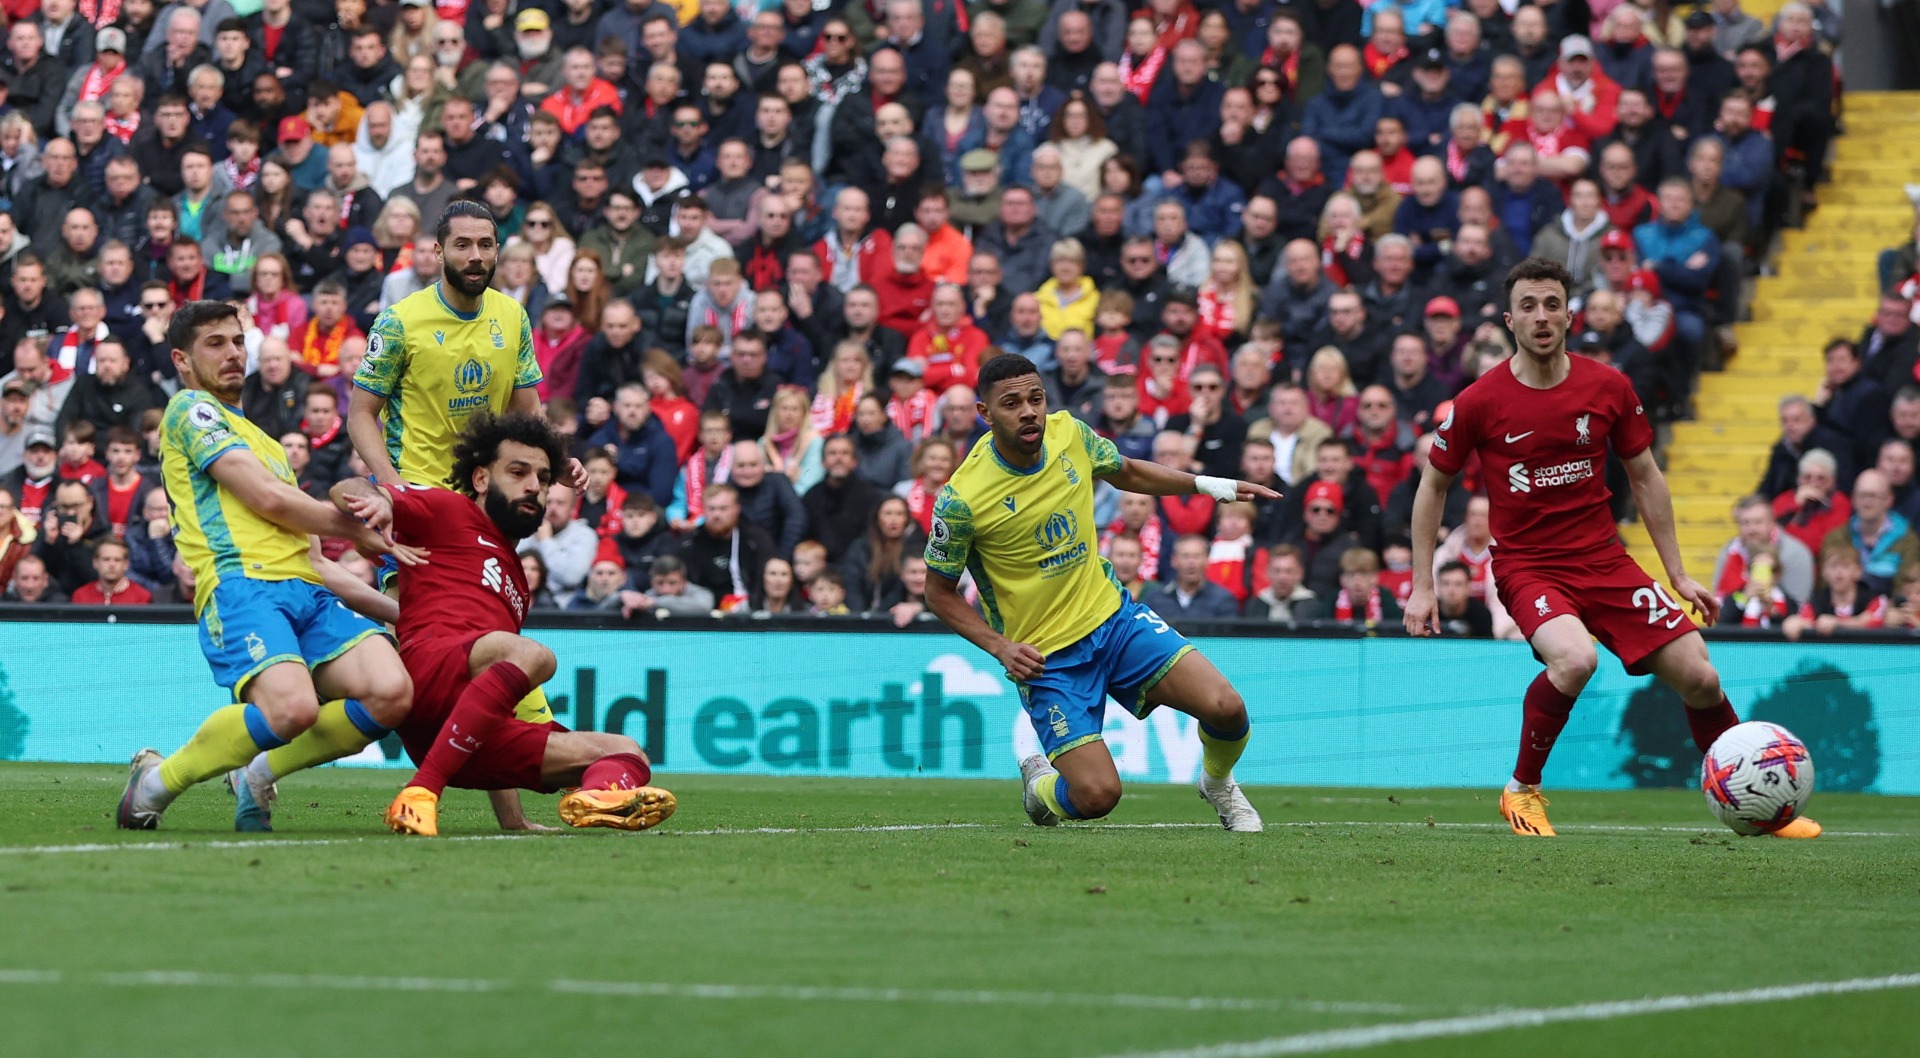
1226, 490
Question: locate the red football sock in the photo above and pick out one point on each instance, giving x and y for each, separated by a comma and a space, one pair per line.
618, 771
1547, 711
1710, 723
487, 703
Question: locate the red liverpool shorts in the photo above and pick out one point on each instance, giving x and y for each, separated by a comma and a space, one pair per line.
510, 760
1630, 613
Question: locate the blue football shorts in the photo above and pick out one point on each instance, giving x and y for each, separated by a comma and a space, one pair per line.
249, 625
1123, 658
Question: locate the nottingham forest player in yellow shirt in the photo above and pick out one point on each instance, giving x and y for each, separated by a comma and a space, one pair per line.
439, 355
272, 627
1018, 515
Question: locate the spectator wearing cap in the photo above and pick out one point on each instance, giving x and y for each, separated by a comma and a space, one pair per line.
91, 79
1426, 112
1320, 537
297, 152
1592, 98
15, 396
1707, 68
362, 276
31, 483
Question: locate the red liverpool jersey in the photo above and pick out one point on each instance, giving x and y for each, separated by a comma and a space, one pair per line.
472, 583
1543, 454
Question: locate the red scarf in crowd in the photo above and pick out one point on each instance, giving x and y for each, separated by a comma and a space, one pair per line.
1343, 607
1456, 161
315, 348
193, 291
98, 80
832, 415
1761, 611
1377, 64
914, 416
1783, 49
122, 129
697, 479
1333, 260
1139, 75
737, 317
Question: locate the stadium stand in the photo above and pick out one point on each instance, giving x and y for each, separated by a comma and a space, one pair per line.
1227, 233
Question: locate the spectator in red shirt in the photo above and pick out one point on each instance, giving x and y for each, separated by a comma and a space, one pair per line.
1562, 149
1233, 562
948, 342
580, 92
126, 487
905, 288
1184, 515
112, 586
912, 406
1163, 392
1382, 444
76, 454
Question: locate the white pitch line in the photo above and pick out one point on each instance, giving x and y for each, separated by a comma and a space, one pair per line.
890, 828
681, 990
1368, 1036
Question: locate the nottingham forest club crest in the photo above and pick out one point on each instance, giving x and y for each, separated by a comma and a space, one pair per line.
499, 336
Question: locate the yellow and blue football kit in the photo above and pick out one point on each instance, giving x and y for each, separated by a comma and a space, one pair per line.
436, 367
259, 600
256, 593
1028, 537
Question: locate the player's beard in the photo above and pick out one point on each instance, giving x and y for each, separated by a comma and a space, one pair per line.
468, 285
514, 522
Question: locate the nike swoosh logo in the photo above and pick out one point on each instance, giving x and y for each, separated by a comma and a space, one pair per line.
488, 543
1512, 437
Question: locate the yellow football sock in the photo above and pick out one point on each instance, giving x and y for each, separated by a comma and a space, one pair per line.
1047, 787
336, 733
224, 742
1218, 753
533, 709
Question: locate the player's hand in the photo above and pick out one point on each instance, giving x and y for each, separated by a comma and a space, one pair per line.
374, 509
1422, 615
1696, 595
1022, 662
576, 476
1247, 491
529, 826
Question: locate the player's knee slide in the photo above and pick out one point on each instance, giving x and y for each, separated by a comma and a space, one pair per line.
1095, 799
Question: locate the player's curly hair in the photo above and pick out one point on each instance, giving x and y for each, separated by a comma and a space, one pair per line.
1000, 369
1538, 268
479, 445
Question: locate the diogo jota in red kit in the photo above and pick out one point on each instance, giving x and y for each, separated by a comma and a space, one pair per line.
459, 621
1542, 422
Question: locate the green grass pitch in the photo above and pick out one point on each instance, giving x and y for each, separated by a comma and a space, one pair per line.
965, 932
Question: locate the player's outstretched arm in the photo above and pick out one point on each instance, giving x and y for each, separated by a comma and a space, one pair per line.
242, 474
369, 439
1152, 479
1429, 505
1021, 660
1651, 496
362, 598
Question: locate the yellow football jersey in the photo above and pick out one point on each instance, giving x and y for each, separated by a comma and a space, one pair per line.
218, 536
1028, 536
436, 367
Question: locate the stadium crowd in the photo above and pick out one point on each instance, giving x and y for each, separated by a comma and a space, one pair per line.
1828, 540
765, 247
